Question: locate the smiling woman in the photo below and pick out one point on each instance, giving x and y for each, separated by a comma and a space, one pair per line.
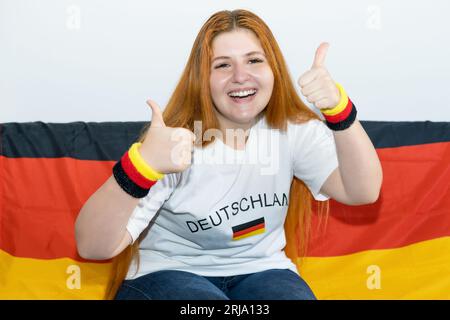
159, 205
241, 79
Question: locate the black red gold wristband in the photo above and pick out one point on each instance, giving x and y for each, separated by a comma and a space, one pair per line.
343, 115
133, 174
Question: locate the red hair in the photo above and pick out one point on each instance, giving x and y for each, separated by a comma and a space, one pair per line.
191, 101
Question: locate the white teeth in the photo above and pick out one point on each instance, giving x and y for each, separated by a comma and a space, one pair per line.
241, 93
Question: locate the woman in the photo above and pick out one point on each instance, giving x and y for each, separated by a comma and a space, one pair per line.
202, 226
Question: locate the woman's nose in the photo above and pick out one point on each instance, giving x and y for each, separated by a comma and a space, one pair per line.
240, 74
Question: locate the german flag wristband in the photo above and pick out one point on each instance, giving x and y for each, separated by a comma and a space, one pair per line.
343, 115
133, 174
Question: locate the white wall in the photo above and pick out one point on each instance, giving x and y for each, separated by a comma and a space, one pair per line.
99, 60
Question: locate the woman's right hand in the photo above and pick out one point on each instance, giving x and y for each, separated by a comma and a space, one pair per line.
166, 149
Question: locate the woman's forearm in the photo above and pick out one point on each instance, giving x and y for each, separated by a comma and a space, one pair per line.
360, 167
100, 229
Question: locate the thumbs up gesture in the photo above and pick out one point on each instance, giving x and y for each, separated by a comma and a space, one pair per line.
317, 85
166, 149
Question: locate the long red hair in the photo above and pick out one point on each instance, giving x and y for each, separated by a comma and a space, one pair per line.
191, 101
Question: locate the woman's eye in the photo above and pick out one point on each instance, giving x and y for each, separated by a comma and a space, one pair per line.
220, 65
226, 64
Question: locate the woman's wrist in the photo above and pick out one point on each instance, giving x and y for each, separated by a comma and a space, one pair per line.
141, 165
342, 115
133, 174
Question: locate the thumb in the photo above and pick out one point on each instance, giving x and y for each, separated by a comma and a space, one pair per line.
157, 117
321, 53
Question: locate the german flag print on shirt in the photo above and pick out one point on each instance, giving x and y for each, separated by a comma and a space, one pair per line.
249, 229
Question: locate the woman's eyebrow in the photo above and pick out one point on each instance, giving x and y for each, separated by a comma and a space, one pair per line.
245, 55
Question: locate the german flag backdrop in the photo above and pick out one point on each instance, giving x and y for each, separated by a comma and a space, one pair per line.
396, 248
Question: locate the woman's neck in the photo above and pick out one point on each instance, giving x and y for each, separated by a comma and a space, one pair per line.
236, 135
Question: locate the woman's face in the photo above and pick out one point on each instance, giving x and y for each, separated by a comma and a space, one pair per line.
241, 80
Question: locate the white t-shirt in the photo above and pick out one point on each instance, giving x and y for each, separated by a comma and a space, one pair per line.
225, 214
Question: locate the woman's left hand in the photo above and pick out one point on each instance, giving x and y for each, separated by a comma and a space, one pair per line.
317, 85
